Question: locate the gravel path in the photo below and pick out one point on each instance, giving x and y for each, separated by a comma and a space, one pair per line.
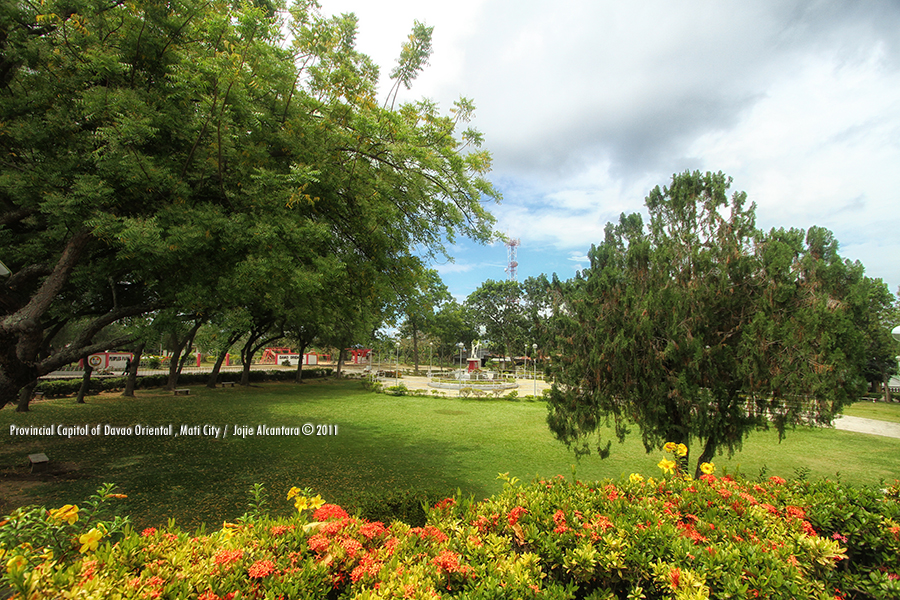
871, 426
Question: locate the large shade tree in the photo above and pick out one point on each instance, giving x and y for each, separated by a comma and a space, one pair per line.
700, 329
495, 307
149, 149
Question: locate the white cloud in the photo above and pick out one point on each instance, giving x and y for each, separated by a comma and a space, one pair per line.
588, 104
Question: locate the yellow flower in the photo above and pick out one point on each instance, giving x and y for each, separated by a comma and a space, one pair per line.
301, 503
708, 468
16, 563
668, 466
293, 492
68, 513
90, 540
229, 529
636, 478
669, 447
681, 450
316, 502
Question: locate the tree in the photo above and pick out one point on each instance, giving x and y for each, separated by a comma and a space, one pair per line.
141, 138
419, 308
878, 321
495, 305
452, 326
701, 329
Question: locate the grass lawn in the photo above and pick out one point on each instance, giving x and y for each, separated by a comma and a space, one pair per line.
875, 410
382, 442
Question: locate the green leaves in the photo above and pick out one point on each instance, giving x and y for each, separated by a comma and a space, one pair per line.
702, 328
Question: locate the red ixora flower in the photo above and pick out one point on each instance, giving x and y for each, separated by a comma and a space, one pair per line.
448, 561
280, 529
148, 532
445, 503
429, 533
372, 529
514, 514
330, 511
794, 511
261, 568
226, 557
560, 519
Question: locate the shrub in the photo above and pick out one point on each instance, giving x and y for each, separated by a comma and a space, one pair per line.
409, 506
397, 390
667, 538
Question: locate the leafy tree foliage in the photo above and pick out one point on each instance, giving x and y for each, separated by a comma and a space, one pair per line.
496, 307
419, 309
155, 154
452, 326
700, 328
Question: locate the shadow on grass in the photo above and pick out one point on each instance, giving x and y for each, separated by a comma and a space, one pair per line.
205, 478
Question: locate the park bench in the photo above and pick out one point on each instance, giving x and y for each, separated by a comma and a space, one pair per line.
227, 384
38, 396
182, 392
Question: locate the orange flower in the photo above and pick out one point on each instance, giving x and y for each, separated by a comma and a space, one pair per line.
261, 568
514, 514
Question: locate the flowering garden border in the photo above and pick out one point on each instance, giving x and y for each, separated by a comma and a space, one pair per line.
671, 537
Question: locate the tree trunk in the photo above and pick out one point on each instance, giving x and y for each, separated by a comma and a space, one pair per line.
299, 378
340, 362
25, 396
415, 337
246, 360
214, 376
709, 451
887, 390
133, 371
85, 381
175, 362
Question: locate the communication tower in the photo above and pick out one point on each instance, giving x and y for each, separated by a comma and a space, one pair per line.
511, 246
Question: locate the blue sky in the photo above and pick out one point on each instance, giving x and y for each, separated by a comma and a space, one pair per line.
586, 105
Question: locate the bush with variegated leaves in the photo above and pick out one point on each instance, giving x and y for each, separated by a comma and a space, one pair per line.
670, 537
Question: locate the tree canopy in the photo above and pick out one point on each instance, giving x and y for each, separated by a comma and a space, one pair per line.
699, 328
153, 154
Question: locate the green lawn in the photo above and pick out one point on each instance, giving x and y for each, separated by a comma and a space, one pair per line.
382, 442
875, 410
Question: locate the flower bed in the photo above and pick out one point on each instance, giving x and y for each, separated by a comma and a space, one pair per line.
637, 538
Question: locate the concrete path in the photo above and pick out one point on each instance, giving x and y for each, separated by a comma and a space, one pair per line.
527, 387
871, 426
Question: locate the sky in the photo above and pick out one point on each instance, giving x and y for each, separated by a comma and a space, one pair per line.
587, 105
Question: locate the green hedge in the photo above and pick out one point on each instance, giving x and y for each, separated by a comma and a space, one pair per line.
66, 387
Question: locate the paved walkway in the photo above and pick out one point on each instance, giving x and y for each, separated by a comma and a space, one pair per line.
871, 426
527, 387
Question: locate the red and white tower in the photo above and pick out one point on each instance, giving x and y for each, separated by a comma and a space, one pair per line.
511, 246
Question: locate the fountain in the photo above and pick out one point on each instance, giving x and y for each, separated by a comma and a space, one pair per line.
473, 379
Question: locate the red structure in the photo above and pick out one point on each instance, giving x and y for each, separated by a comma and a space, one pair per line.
360, 355
270, 355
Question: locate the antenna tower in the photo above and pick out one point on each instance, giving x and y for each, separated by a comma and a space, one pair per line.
512, 265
